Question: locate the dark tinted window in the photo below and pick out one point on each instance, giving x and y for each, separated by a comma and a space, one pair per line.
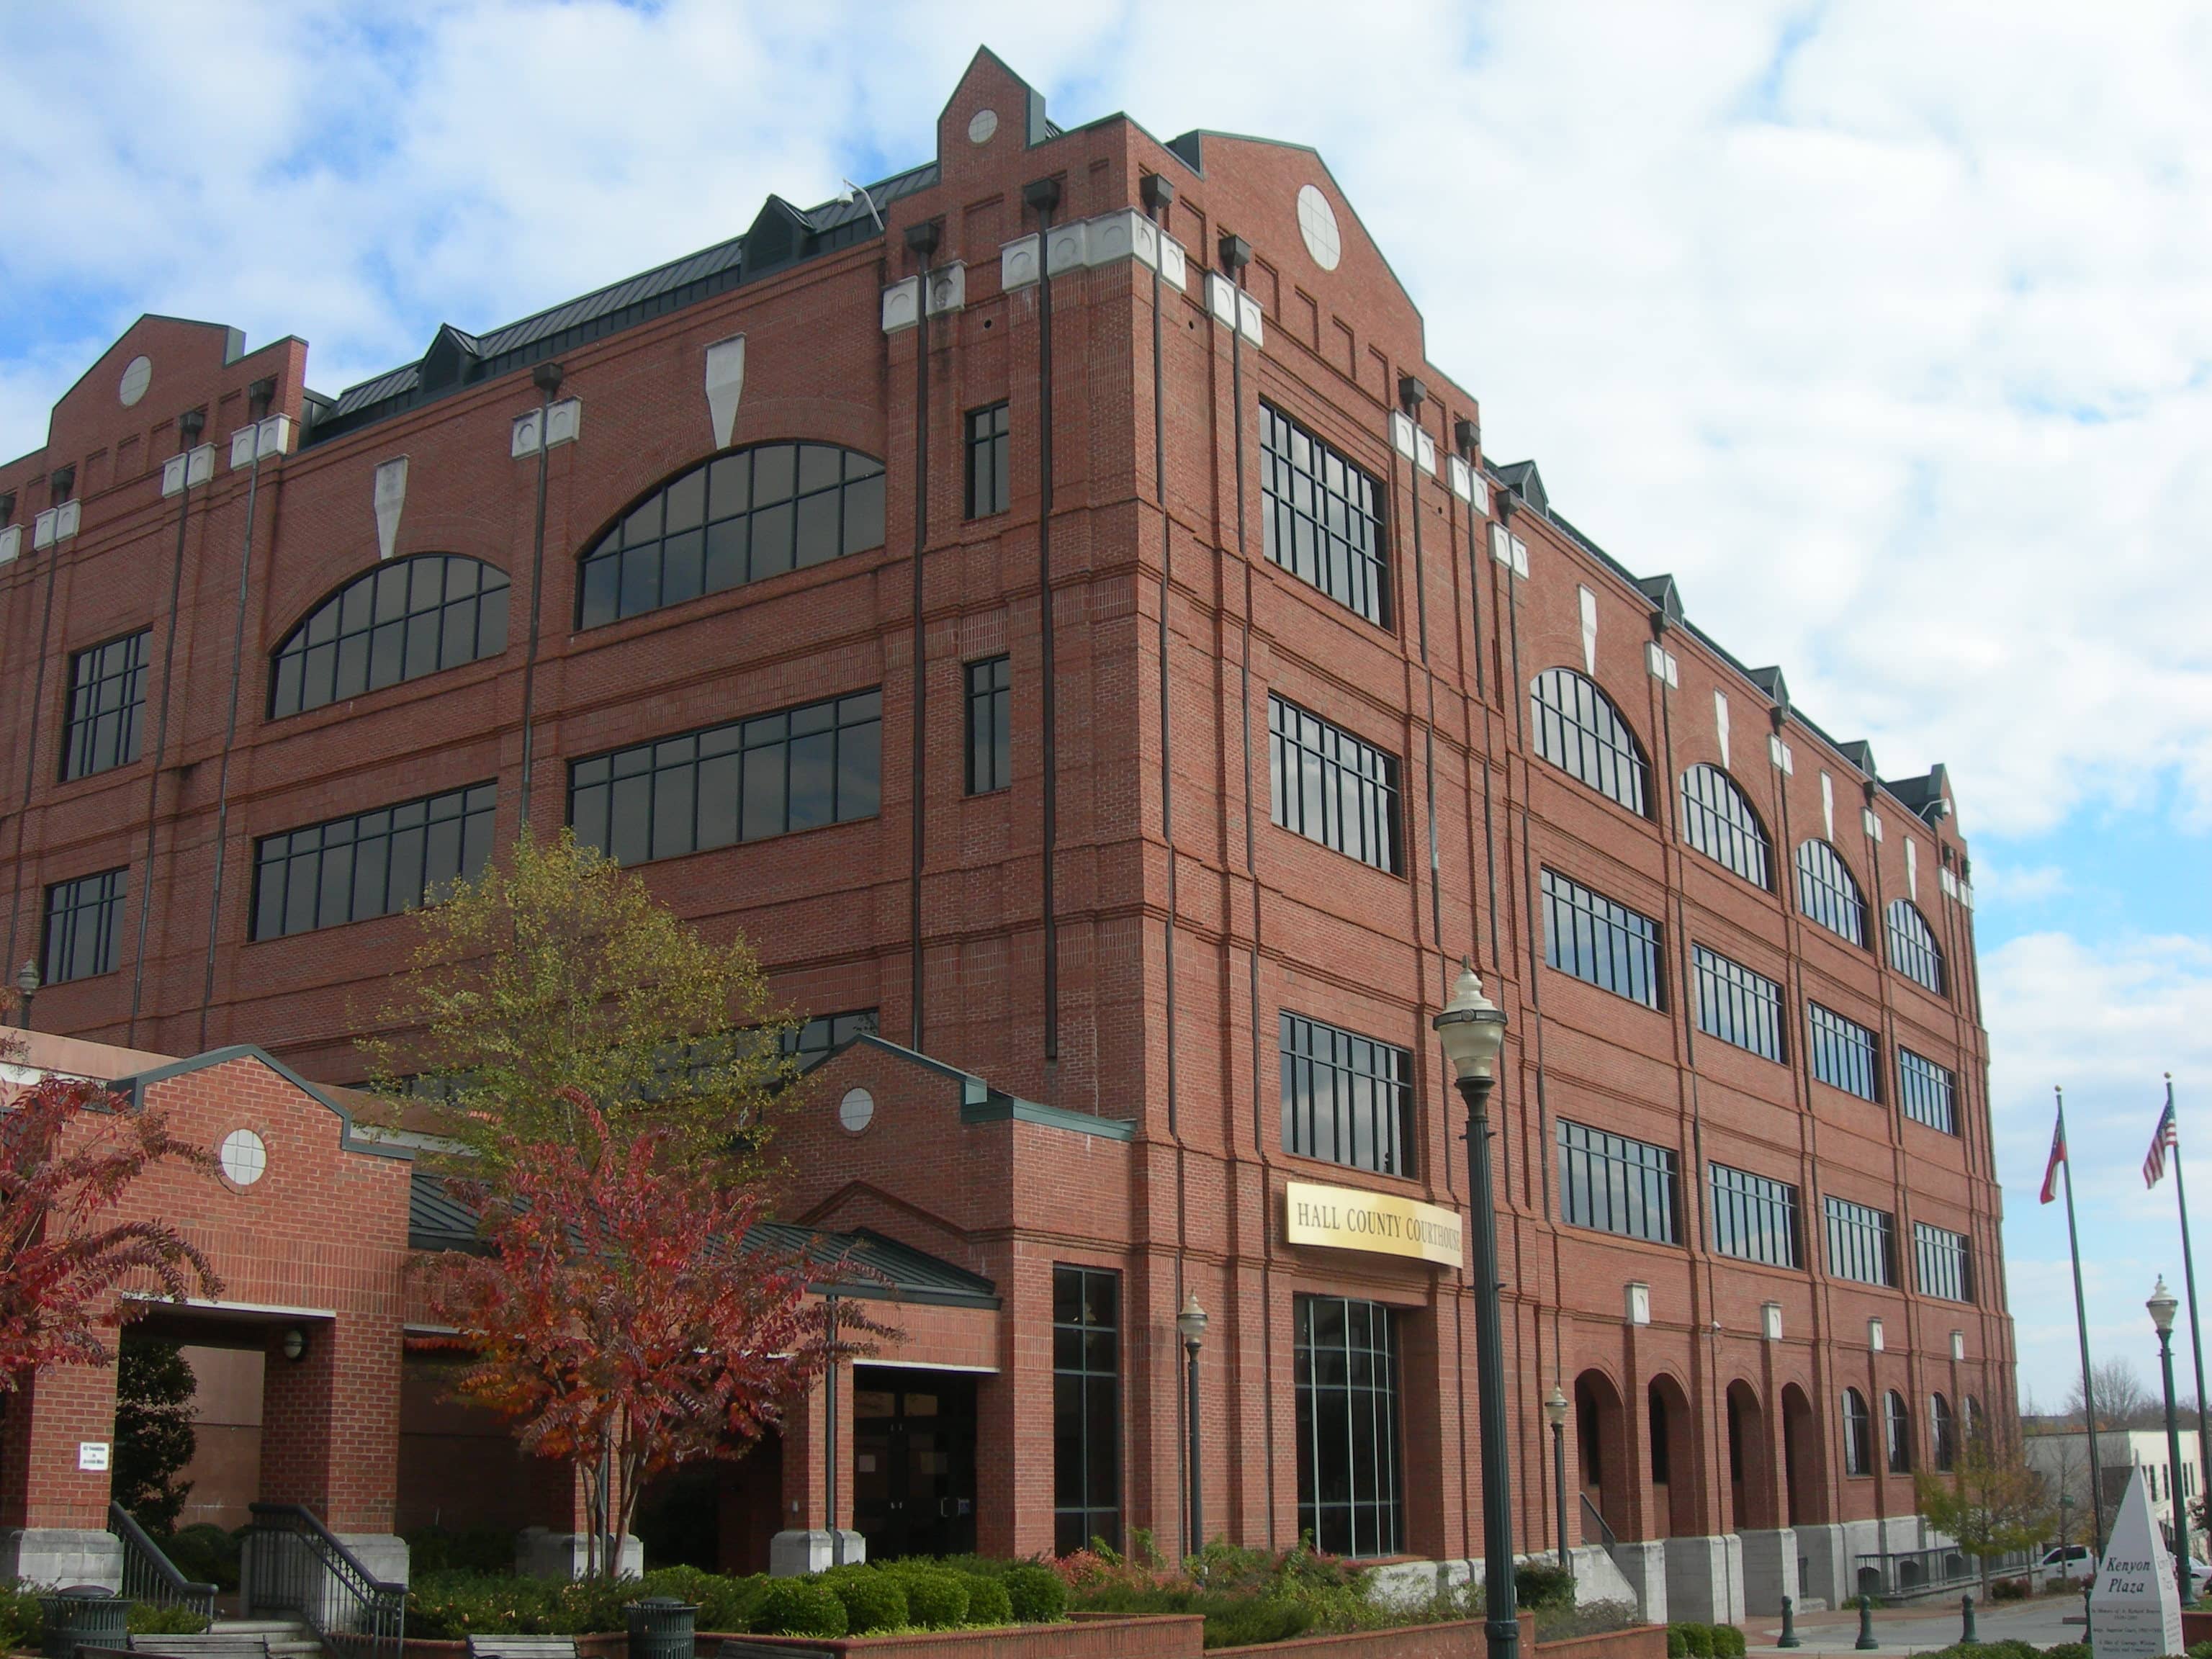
1086, 1407
1717, 820
1859, 1243
990, 456
398, 622
1579, 730
108, 696
1346, 1097
990, 724
1331, 786
1912, 948
1828, 893
1600, 941
84, 926
1321, 518
1843, 1053
372, 864
1754, 1217
1616, 1185
1345, 1361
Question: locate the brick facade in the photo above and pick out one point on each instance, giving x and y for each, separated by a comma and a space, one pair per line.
1181, 919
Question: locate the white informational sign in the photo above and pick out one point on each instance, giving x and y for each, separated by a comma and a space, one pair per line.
91, 1454
2134, 1610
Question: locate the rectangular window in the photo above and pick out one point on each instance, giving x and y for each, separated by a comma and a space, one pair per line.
1346, 1381
990, 724
1616, 1185
1332, 787
746, 780
1925, 1091
1346, 1097
812, 1042
373, 864
1596, 939
108, 696
1946, 1268
1086, 1408
84, 926
1843, 1053
1737, 1005
990, 445
1754, 1218
1859, 1243
1322, 517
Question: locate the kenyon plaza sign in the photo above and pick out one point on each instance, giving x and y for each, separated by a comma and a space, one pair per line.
2134, 1610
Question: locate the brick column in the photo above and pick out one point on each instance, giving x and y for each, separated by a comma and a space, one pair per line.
53, 1516
802, 1542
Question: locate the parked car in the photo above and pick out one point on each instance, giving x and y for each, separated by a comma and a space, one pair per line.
2067, 1556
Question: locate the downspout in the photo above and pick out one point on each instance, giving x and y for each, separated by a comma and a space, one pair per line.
1043, 196
921, 241
547, 378
229, 730
190, 425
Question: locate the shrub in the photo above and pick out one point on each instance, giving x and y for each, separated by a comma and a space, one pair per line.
206, 1554
1697, 1639
2008, 1589
1589, 1619
1239, 1621
1676, 1647
1727, 1641
728, 1604
935, 1599
1037, 1594
1537, 1586
989, 1603
874, 1601
21, 1618
2080, 1650
799, 1606
488, 1551
451, 1605
144, 1619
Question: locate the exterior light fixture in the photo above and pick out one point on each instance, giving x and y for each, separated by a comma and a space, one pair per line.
1555, 1413
295, 1345
27, 982
1190, 1325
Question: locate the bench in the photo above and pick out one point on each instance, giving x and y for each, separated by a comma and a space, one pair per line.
522, 1647
213, 1644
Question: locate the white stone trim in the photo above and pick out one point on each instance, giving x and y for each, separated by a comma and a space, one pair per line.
903, 305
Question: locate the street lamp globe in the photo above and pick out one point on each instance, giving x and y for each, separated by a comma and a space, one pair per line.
2162, 1305
1555, 1407
1470, 1027
1190, 1323
27, 978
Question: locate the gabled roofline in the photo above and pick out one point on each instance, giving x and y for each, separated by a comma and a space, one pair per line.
982, 1103
135, 1087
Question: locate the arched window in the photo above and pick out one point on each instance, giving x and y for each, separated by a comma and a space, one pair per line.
740, 518
1827, 891
1897, 1427
398, 622
1941, 1435
1717, 820
1912, 948
1973, 1411
1858, 1448
1580, 732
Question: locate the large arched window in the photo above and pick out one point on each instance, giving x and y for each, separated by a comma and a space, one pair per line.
1580, 732
1912, 948
1829, 893
740, 518
1717, 820
398, 622
1858, 1447
1942, 1433
1897, 1425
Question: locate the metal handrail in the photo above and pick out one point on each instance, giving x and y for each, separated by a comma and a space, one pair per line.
1942, 1567
1606, 1537
149, 1575
298, 1565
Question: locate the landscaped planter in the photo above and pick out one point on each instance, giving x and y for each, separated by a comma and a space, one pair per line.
1163, 1636
1460, 1638
2195, 1627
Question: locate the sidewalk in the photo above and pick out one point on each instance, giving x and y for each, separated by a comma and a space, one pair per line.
1925, 1627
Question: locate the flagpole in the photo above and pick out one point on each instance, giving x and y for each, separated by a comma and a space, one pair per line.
2195, 1328
2082, 1325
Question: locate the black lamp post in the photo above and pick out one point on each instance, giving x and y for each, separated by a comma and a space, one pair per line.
1473, 1030
2162, 1305
27, 981
1555, 1413
1190, 1325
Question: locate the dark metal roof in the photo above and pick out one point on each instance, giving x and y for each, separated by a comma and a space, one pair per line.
654, 292
863, 1264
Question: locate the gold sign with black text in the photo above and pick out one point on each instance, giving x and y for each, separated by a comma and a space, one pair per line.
1343, 1219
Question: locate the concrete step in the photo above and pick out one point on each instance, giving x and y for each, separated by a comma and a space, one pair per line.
271, 1628
1809, 1604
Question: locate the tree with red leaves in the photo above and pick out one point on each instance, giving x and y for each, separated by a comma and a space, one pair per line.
617, 1318
69, 1152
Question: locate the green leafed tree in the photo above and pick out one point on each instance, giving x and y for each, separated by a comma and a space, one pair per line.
555, 974
1992, 1502
153, 1436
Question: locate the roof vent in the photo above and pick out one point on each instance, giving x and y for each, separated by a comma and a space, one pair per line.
451, 360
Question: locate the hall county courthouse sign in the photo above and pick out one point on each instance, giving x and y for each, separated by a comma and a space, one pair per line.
1344, 1219
2134, 1610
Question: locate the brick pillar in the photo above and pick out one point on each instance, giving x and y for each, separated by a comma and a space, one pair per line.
53, 1516
299, 1410
330, 1432
802, 1541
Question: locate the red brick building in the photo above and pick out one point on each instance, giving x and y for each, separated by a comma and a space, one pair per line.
737, 566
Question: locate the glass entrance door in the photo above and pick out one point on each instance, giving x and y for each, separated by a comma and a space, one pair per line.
913, 1461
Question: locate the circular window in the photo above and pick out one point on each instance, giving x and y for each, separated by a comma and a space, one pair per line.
1317, 224
857, 1110
138, 375
981, 125
244, 1156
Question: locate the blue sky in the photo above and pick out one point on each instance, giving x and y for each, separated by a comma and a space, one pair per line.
1882, 327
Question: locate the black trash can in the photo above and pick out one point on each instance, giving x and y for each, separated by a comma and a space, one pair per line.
84, 1615
660, 1627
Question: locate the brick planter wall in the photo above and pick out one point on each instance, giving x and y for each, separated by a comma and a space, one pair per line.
1167, 1636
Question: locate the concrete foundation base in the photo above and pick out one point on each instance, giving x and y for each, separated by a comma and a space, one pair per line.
1704, 1578
790, 1553
540, 1552
1642, 1565
384, 1553
1769, 1569
61, 1556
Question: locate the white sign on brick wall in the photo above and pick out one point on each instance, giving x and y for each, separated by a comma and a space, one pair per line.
91, 1454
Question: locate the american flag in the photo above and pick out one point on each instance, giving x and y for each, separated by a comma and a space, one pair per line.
2162, 1138
2057, 1157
